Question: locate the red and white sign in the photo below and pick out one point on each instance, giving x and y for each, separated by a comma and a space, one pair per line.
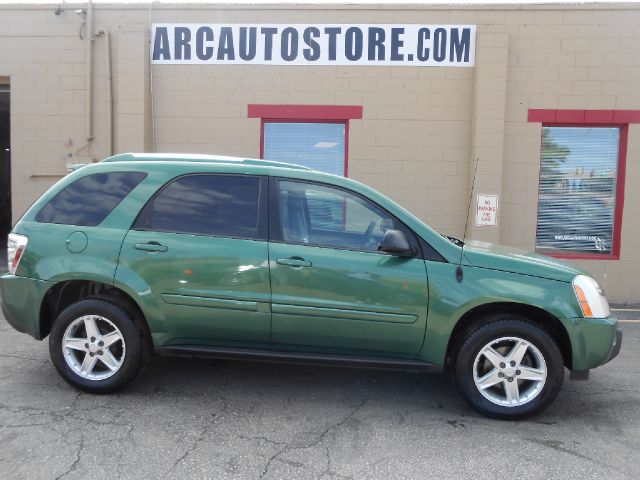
487, 211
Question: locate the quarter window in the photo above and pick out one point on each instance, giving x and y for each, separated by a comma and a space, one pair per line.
318, 215
218, 205
577, 194
87, 201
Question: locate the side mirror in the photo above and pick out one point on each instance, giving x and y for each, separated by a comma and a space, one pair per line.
395, 243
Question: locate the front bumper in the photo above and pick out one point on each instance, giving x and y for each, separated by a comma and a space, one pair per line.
594, 341
21, 299
616, 346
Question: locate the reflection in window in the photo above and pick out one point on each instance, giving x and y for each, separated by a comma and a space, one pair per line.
221, 205
324, 216
88, 200
577, 196
320, 146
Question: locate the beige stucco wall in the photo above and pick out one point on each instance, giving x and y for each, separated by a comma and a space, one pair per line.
422, 127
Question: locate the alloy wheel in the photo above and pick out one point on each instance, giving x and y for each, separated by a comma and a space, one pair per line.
93, 347
509, 371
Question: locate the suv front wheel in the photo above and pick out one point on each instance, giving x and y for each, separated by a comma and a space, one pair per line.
508, 368
97, 346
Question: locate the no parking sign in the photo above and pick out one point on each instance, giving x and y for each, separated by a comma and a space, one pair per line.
487, 211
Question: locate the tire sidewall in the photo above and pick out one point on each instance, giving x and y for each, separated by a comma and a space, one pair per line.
122, 320
509, 327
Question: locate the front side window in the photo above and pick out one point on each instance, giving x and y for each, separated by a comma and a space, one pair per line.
320, 146
87, 201
577, 194
323, 216
217, 205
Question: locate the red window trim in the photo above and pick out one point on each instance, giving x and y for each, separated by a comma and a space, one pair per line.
579, 117
306, 114
596, 118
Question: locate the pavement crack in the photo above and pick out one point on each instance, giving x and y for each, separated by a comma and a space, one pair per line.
559, 446
332, 428
75, 463
193, 446
201, 436
271, 460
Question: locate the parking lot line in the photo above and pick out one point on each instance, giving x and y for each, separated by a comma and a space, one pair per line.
628, 321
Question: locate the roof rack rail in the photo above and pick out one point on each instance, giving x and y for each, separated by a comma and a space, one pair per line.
190, 157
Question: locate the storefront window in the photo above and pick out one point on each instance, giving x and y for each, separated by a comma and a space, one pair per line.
578, 184
315, 136
320, 146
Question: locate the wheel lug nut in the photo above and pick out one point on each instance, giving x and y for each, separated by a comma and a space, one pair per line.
500, 374
99, 352
91, 354
93, 339
101, 343
513, 363
86, 345
502, 365
510, 379
518, 372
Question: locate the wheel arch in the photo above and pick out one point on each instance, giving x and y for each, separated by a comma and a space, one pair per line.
65, 293
536, 315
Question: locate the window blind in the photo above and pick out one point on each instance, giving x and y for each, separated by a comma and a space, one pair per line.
320, 146
577, 193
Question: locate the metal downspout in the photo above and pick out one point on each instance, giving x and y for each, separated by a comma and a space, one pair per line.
88, 81
107, 39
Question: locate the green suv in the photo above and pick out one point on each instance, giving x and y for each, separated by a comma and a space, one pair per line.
252, 259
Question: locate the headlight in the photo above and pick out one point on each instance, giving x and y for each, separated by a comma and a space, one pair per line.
590, 297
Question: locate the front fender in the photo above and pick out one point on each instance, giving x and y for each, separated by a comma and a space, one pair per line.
450, 300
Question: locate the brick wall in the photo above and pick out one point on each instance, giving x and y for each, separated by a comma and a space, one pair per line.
422, 127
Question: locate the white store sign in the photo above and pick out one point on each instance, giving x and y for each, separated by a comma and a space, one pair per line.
301, 44
487, 211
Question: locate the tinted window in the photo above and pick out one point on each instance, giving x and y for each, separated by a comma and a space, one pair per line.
223, 205
88, 200
325, 216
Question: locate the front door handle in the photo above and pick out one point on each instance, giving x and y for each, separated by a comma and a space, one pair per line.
293, 262
150, 247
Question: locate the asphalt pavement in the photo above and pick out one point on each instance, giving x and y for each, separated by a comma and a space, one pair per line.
198, 419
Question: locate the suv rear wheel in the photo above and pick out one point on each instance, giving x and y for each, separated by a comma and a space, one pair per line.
97, 346
508, 368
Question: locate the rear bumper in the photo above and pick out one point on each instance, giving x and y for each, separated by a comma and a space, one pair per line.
21, 298
22, 328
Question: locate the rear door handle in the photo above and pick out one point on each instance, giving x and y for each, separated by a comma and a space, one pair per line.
293, 262
150, 247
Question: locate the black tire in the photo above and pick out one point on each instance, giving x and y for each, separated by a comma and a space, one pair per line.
134, 337
494, 327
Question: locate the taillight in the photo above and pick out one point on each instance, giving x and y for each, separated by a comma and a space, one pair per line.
16, 245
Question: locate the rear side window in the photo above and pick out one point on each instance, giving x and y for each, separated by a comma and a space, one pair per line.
218, 205
87, 201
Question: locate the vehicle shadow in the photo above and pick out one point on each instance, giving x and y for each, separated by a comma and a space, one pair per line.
251, 384
270, 382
